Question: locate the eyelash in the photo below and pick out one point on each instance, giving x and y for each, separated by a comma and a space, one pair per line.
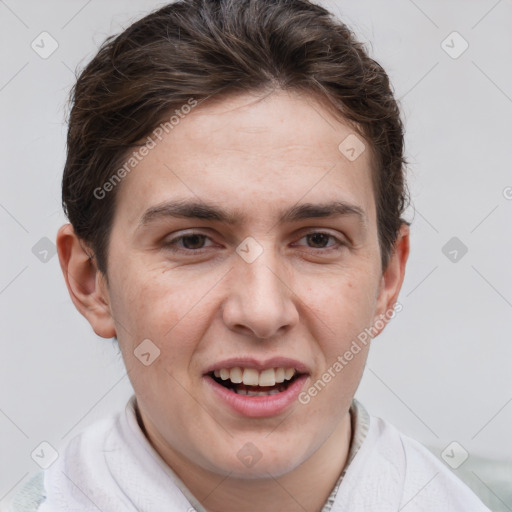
172, 244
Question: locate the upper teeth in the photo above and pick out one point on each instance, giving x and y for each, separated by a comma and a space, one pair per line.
252, 377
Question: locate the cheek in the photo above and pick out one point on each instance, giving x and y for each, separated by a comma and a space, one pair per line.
343, 311
153, 300
172, 317
345, 302
173, 311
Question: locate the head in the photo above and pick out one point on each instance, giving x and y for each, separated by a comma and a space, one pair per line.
235, 189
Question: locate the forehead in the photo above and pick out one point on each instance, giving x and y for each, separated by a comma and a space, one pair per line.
252, 152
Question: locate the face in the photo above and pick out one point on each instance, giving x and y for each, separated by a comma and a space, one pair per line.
279, 268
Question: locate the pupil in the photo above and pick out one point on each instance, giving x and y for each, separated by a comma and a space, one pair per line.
196, 240
316, 236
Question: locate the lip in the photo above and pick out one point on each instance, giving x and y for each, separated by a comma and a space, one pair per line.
257, 406
250, 362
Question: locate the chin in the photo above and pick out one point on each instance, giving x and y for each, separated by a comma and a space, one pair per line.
261, 470
257, 461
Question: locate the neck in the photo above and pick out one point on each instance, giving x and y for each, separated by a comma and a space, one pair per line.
304, 489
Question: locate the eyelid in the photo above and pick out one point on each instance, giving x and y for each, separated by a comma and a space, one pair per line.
339, 242
172, 244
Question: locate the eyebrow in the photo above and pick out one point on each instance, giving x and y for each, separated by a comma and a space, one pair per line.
211, 212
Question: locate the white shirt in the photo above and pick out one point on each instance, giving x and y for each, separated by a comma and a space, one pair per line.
112, 466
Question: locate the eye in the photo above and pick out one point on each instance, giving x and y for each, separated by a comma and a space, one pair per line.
191, 242
320, 240
197, 242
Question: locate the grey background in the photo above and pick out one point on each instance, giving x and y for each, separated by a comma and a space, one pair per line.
441, 372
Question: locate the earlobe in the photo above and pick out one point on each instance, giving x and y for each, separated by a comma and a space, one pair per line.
86, 284
392, 279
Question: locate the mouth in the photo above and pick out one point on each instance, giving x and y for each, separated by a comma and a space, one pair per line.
256, 389
251, 382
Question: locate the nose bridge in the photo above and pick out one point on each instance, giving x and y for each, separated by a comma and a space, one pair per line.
259, 299
261, 277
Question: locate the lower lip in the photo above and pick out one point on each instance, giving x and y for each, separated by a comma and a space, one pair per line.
258, 406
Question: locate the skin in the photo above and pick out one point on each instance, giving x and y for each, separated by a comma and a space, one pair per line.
302, 298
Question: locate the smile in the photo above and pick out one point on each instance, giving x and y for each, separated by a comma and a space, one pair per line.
254, 388
251, 382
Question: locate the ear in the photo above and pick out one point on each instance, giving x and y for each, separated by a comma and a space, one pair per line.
391, 280
87, 286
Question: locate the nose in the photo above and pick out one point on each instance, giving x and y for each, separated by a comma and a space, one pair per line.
260, 301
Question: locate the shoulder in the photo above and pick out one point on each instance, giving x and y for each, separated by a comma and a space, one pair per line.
428, 484
30, 496
84, 447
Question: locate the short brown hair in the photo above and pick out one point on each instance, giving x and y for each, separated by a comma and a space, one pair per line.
203, 48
